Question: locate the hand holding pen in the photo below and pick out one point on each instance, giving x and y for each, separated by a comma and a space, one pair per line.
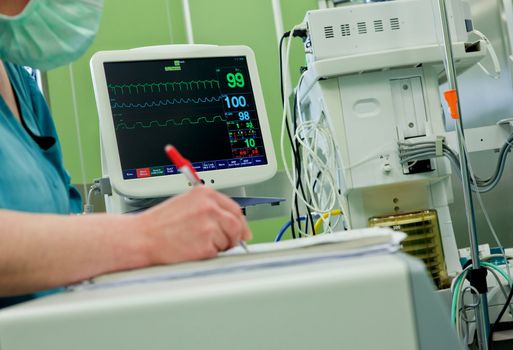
186, 168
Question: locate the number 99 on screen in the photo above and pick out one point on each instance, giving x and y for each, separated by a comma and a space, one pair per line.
235, 80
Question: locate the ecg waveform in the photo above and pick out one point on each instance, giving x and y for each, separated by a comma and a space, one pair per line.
122, 125
163, 86
166, 102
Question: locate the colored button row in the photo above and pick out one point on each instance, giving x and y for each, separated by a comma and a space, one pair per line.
228, 163
200, 166
148, 172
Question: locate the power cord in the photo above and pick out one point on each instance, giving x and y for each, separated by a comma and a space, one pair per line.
298, 184
493, 326
493, 55
414, 151
101, 186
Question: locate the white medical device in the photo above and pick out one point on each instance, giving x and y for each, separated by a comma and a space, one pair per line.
373, 78
205, 100
313, 298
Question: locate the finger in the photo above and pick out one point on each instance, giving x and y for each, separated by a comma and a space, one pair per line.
232, 227
230, 205
238, 226
246, 232
220, 240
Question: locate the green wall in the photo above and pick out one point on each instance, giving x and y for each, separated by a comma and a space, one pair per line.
128, 24
140, 23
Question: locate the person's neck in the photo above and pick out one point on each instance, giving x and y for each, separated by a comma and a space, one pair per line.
7, 92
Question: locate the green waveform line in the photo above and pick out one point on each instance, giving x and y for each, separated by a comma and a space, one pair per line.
166, 86
122, 125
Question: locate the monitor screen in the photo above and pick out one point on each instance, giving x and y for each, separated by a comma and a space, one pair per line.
203, 106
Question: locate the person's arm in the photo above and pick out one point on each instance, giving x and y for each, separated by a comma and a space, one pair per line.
40, 251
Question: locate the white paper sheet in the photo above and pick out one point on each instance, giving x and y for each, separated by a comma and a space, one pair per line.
341, 245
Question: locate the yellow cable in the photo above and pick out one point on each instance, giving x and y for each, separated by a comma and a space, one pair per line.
324, 216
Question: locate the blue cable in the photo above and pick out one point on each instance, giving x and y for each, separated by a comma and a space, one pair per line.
286, 226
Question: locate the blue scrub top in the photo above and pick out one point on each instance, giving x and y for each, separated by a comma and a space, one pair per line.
32, 175
32, 179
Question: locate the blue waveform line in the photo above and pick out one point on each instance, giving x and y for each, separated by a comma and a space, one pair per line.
167, 102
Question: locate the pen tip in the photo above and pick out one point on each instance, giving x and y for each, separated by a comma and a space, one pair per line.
168, 147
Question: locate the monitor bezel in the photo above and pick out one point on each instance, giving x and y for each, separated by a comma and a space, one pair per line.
162, 186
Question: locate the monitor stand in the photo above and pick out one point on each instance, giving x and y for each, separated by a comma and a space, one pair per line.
118, 204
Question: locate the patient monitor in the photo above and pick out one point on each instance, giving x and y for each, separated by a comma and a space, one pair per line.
205, 100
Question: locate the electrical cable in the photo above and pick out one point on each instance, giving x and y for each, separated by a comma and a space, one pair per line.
502, 157
493, 256
280, 48
285, 227
457, 300
464, 309
487, 217
493, 326
293, 146
322, 219
287, 112
280, 53
390, 147
88, 207
501, 287
458, 281
294, 152
320, 157
477, 185
493, 56
491, 182
409, 152
499, 270
312, 130
299, 182
457, 290
304, 155
292, 229
300, 137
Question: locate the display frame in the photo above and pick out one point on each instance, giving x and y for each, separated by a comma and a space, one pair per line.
162, 186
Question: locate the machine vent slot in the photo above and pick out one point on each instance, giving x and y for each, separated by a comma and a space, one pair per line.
362, 27
394, 23
378, 25
345, 30
329, 33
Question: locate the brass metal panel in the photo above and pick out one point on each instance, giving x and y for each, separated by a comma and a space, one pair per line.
423, 240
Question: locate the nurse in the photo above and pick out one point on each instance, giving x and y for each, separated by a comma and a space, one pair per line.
42, 246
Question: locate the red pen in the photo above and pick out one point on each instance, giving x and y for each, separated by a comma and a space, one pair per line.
186, 168
183, 165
